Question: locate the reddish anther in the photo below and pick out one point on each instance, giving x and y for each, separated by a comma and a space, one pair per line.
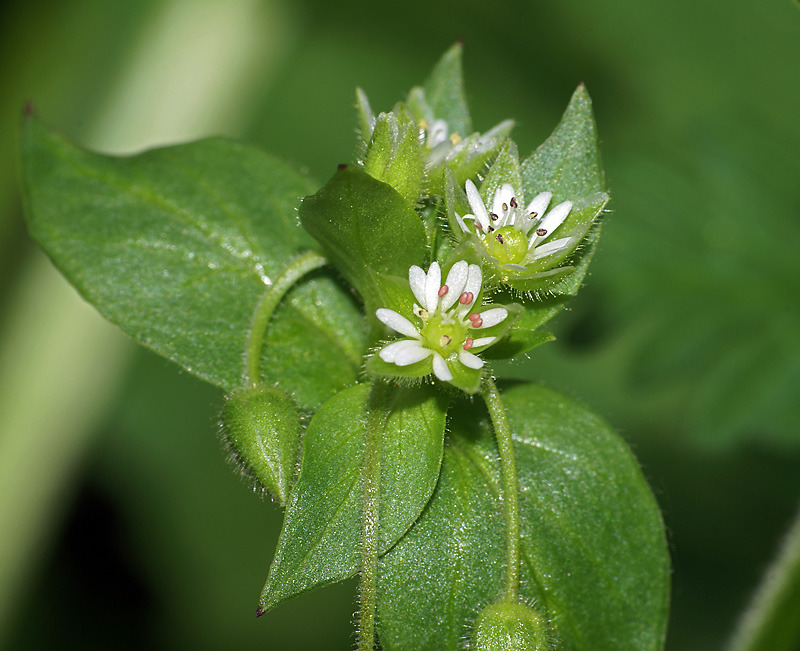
474, 316
477, 323
468, 344
443, 290
466, 298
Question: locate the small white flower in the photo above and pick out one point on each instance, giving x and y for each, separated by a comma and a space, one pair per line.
440, 146
513, 235
447, 318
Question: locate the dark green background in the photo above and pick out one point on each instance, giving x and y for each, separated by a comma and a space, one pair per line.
686, 336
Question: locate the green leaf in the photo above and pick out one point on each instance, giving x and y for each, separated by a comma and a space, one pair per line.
177, 246
568, 162
444, 92
320, 541
594, 555
367, 230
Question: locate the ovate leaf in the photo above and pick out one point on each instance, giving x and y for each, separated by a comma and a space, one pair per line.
444, 91
594, 555
320, 540
177, 246
367, 230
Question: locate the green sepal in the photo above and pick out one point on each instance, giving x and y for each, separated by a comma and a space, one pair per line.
394, 156
321, 537
504, 169
367, 230
366, 122
261, 428
507, 626
444, 92
568, 162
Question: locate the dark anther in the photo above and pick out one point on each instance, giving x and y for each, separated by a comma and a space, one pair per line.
491, 228
514, 202
533, 215
494, 216
541, 232
500, 238
505, 207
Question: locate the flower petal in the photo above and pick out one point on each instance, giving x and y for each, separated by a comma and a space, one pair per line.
538, 205
389, 352
555, 218
456, 279
469, 360
549, 248
411, 354
433, 283
440, 369
397, 322
502, 196
416, 279
461, 222
476, 203
493, 316
482, 341
472, 286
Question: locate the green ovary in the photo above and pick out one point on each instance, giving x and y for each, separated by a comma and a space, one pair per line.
444, 335
507, 244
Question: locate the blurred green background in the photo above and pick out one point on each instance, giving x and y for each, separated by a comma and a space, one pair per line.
121, 526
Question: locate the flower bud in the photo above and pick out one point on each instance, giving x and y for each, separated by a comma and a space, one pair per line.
510, 627
261, 428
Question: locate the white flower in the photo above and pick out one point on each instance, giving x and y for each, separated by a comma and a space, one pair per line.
447, 318
514, 236
440, 146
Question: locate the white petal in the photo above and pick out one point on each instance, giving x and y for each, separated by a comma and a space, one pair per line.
475, 201
482, 341
397, 322
433, 283
411, 354
555, 218
469, 360
493, 317
456, 279
416, 279
502, 196
538, 205
389, 353
440, 369
549, 248
474, 280
461, 223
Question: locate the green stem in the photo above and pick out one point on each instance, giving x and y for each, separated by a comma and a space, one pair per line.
772, 621
298, 268
377, 414
508, 467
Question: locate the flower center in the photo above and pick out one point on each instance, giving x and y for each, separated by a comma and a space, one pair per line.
444, 334
507, 244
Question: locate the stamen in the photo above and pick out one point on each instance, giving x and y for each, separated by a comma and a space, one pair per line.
476, 322
423, 314
491, 228
494, 216
455, 139
468, 344
541, 232
514, 202
445, 341
505, 207
466, 298
423, 124
533, 215
499, 238
473, 316
478, 225
443, 290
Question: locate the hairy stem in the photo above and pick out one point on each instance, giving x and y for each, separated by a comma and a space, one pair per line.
298, 268
772, 621
377, 414
508, 467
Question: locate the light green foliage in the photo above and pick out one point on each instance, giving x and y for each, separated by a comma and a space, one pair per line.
261, 427
200, 252
593, 546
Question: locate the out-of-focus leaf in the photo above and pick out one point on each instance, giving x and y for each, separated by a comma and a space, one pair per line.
593, 546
